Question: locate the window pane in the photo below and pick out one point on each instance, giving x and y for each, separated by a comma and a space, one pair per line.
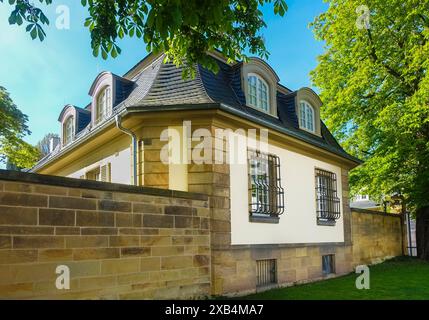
264, 97
103, 104
252, 90
302, 114
306, 116
327, 202
266, 194
68, 130
258, 93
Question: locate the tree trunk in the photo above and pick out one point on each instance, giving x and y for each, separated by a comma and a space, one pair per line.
422, 233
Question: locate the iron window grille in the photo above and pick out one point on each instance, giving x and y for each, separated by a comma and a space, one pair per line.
327, 201
265, 191
328, 264
266, 272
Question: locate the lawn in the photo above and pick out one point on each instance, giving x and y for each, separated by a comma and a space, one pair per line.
400, 278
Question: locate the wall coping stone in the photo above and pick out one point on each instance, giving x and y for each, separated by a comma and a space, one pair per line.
25, 177
380, 213
276, 245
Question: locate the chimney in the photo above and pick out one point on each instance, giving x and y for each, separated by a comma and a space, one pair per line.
53, 143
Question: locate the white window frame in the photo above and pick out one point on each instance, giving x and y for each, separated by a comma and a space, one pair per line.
259, 168
306, 109
322, 187
102, 173
256, 97
103, 104
68, 130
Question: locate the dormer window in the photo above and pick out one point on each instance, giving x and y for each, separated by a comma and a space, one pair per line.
306, 119
258, 92
68, 130
104, 105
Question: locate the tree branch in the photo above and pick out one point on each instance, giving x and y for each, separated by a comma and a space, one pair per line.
389, 69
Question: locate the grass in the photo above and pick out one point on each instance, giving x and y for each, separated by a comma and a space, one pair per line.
398, 279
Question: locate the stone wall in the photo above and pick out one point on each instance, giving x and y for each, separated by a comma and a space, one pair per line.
369, 237
120, 242
236, 270
376, 236
125, 242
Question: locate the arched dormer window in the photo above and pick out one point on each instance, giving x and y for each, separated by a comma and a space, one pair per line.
103, 106
306, 119
68, 130
259, 84
258, 92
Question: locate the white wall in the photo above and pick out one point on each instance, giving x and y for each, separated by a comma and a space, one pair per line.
117, 153
178, 159
298, 224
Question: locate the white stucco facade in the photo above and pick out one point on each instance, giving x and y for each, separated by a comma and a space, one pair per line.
117, 154
298, 223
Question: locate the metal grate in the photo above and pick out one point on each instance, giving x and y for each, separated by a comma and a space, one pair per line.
266, 272
265, 191
328, 264
327, 201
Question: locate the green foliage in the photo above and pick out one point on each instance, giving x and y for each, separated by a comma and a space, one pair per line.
33, 16
184, 29
13, 127
375, 88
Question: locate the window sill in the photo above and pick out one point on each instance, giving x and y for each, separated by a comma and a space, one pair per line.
331, 223
260, 219
269, 112
315, 132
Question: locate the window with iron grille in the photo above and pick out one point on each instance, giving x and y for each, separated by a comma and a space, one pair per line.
328, 264
327, 201
265, 192
266, 272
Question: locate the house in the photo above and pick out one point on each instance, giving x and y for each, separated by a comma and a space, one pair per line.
362, 201
277, 179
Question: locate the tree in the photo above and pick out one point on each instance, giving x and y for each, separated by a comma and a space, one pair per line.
374, 82
184, 29
44, 145
13, 127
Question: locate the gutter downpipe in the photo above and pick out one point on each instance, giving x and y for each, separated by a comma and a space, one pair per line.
118, 120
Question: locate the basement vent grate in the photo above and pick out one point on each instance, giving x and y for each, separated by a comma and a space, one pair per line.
266, 272
328, 264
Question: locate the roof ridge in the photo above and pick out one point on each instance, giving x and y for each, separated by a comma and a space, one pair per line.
202, 84
157, 74
232, 89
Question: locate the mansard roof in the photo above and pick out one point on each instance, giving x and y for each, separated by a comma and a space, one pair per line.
163, 85
156, 85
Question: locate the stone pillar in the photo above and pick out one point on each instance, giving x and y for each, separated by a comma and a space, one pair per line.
213, 180
347, 220
154, 172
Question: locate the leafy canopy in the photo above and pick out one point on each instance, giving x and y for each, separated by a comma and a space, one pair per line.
184, 29
375, 87
13, 127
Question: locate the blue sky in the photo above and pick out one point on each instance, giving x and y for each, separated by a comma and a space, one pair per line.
42, 77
